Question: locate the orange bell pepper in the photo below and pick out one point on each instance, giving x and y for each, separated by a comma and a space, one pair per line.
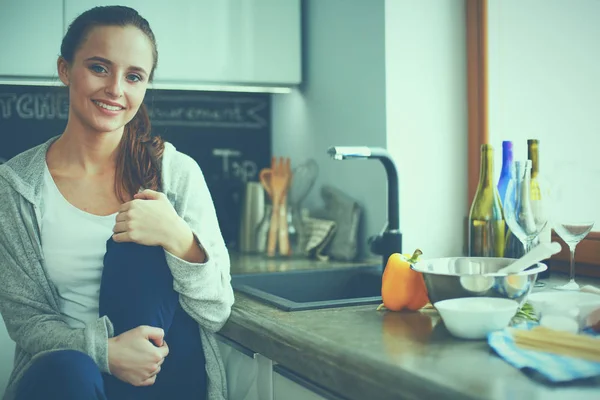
401, 287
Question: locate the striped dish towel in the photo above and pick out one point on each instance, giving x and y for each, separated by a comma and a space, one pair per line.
554, 367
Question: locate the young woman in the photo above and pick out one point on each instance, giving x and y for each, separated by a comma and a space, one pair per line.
114, 271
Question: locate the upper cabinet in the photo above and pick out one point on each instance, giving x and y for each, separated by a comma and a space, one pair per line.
31, 32
253, 42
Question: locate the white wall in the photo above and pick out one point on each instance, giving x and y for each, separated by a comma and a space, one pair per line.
426, 106
544, 82
341, 102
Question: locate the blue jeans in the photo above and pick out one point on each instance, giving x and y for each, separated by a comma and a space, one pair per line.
136, 289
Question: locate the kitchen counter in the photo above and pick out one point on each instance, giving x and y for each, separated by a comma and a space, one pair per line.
360, 353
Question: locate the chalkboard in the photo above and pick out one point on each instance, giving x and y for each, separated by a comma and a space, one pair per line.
228, 134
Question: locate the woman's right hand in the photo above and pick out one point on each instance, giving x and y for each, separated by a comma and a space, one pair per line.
134, 359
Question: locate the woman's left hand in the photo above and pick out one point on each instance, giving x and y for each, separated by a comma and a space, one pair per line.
150, 219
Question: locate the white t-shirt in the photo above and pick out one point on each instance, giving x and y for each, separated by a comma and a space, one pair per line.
74, 244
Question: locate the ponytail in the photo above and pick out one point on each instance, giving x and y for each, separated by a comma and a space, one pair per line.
139, 158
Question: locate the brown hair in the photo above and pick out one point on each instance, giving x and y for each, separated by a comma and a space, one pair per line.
139, 155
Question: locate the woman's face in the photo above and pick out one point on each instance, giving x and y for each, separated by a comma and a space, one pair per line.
108, 78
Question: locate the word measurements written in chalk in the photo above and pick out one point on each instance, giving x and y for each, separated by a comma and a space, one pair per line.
208, 111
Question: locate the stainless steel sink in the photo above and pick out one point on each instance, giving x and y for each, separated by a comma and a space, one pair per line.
313, 289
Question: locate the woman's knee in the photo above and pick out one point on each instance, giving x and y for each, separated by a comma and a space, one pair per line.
137, 287
131, 263
68, 373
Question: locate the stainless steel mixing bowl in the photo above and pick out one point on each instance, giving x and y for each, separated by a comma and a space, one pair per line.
454, 277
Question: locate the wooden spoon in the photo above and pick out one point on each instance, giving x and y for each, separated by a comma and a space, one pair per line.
280, 179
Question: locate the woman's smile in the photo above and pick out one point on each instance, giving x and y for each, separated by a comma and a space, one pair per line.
108, 107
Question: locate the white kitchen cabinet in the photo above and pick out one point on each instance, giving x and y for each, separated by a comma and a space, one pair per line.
31, 32
249, 374
219, 41
290, 386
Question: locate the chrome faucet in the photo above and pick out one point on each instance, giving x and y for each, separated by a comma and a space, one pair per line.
389, 241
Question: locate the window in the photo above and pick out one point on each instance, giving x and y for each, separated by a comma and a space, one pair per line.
533, 75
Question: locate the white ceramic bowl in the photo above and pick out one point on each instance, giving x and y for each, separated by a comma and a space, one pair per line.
585, 303
475, 317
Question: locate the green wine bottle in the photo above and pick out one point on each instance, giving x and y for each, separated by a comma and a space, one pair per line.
486, 220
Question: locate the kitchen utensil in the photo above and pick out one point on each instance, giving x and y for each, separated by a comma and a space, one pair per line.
475, 317
253, 208
262, 230
286, 226
283, 239
537, 254
454, 277
281, 176
304, 177
271, 239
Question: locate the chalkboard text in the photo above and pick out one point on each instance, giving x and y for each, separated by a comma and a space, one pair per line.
207, 111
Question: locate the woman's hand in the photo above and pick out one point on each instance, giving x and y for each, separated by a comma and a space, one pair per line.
151, 220
134, 359
148, 219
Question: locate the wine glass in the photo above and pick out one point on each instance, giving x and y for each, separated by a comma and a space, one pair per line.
525, 217
572, 212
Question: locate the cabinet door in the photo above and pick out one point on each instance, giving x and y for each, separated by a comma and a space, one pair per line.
31, 32
219, 41
290, 386
249, 374
264, 41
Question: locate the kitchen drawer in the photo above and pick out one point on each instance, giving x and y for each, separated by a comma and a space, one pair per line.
249, 374
287, 385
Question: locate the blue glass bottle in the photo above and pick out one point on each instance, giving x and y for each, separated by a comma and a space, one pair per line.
512, 247
507, 160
